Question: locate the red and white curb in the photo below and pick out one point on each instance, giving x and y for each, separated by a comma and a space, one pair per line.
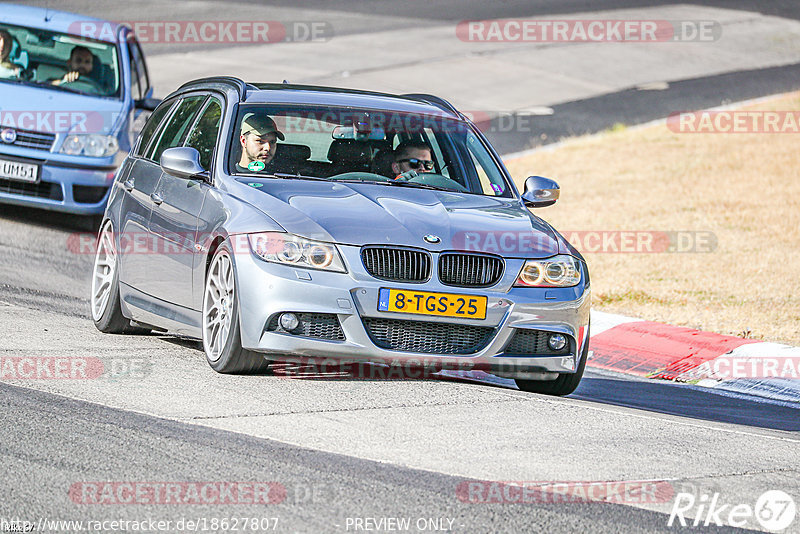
664, 352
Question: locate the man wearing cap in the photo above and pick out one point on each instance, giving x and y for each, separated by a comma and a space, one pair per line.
259, 137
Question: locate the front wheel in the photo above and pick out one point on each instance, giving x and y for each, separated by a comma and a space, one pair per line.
222, 339
565, 384
106, 309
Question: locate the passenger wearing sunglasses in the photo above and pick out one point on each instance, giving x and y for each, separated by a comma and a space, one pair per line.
412, 157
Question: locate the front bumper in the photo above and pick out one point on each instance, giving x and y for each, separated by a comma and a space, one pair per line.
79, 188
267, 289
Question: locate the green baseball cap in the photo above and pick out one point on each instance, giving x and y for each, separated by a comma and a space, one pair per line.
260, 125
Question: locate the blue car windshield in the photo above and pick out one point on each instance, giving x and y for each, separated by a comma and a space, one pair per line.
364, 145
59, 61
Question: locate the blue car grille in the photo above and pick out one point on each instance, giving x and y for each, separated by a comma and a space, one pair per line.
32, 139
427, 337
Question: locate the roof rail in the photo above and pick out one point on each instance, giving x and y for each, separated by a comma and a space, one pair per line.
435, 100
281, 86
236, 83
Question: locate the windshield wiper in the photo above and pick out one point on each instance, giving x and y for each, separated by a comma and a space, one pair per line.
286, 175
397, 183
282, 176
419, 185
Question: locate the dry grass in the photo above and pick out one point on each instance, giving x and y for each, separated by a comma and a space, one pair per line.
744, 188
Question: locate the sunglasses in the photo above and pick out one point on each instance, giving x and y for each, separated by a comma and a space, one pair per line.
415, 163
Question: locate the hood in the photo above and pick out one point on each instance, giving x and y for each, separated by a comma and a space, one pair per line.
374, 214
46, 110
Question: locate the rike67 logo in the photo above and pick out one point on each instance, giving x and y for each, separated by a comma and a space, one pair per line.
774, 510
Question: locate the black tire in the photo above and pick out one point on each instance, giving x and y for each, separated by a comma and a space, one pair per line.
89, 223
233, 358
565, 384
111, 321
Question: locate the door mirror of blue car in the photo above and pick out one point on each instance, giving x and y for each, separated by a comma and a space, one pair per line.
540, 192
147, 104
183, 162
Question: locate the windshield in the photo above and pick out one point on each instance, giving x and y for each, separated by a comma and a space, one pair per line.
357, 145
60, 61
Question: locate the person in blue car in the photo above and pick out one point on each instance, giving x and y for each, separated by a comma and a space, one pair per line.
81, 63
7, 68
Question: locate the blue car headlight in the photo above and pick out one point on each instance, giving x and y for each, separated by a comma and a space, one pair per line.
92, 145
558, 271
288, 249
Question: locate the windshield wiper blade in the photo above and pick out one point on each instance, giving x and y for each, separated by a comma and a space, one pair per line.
286, 175
419, 185
394, 182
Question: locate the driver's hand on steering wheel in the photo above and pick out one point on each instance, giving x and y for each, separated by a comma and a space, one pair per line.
68, 78
406, 176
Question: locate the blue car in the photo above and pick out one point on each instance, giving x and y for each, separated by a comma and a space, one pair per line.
71, 90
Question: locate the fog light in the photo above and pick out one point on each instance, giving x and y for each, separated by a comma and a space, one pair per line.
556, 341
289, 321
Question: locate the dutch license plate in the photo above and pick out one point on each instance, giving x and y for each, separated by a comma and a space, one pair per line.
17, 170
429, 303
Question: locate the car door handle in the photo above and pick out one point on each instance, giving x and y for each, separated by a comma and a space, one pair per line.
128, 185
155, 197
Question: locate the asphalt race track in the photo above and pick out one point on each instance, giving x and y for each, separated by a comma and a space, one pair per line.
346, 452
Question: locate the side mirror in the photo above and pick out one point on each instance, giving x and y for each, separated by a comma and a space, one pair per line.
183, 162
540, 192
147, 104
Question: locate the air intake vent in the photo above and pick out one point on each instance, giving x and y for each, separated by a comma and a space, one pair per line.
40, 190
427, 337
88, 194
319, 325
532, 342
397, 264
470, 270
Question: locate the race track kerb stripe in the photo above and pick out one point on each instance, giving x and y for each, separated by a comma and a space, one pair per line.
656, 350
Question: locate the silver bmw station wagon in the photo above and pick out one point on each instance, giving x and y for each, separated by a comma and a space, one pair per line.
281, 222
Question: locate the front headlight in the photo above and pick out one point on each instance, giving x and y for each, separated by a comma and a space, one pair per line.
288, 249
558, 271
92, 145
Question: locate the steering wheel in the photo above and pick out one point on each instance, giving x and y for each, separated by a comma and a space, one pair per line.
437, 180
84, 82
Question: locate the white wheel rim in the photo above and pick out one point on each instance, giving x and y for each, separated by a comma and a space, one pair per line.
105, 264
218, 306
